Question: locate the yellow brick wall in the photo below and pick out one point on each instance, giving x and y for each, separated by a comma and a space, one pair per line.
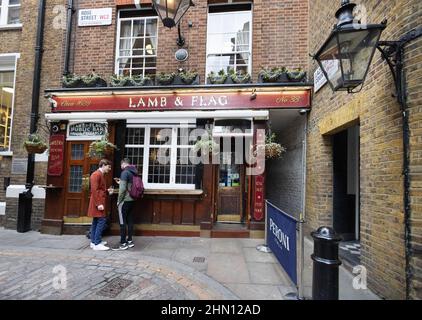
380, 118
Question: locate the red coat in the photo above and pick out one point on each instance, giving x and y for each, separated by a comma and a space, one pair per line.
98, 195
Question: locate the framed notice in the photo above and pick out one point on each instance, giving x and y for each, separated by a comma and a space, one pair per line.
56, 155
95, 17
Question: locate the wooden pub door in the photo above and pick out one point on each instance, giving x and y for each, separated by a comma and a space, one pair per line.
79, 167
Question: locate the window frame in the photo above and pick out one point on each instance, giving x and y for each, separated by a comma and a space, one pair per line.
118, 37
208, 54
17, 56
4, 14
174, 147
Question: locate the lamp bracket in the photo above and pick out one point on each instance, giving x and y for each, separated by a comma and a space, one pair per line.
393, 53
180, 40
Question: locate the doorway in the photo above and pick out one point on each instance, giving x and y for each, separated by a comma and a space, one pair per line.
79, 168
230, 188
346, 190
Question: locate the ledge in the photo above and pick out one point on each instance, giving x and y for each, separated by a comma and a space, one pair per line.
51, 187
160, 192
174, 192
6, 153
245, 86
7, 27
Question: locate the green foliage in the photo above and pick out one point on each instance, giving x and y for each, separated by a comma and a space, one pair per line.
165, 78
296, 74
217, 78
35, 144
71, 81
239, 76
272, 74
206, 144
100, 148
127, 81
188, 77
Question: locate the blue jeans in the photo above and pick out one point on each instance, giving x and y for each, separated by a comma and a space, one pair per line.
97, 229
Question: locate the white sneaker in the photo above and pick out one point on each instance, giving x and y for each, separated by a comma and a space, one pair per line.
101, 247
92, 245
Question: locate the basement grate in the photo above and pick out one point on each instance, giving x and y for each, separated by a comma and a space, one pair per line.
114, 287
199, 259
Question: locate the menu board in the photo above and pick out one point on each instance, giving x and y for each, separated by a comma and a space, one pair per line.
56, 155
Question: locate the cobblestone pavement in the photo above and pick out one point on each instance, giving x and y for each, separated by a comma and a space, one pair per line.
35, 269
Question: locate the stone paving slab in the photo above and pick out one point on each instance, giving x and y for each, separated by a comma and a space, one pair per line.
158, 268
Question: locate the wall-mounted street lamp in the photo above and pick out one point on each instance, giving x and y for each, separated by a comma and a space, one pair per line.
170, 13
346, 55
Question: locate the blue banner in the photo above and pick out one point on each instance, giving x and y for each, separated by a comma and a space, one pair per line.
281, 239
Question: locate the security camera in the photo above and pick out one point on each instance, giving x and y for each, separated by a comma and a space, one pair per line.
302, 112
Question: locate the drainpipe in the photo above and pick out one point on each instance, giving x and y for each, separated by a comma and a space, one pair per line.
36, 88
394, 56
25, 198
70, 12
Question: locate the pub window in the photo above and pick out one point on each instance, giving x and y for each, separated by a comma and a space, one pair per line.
10, 12
7, 80
229, 38
161, 155
136, 45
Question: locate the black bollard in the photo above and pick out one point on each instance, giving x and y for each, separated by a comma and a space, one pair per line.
326, 264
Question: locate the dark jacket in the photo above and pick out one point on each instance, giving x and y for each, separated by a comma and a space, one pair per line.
126, 178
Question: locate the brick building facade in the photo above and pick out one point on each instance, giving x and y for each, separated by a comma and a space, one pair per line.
283, 33
377, 113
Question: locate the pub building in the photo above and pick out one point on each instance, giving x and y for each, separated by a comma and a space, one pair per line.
181, 198
217, 199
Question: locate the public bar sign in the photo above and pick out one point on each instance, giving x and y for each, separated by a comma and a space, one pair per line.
95, 17
86, 130
56, 155
183, 101
281, 238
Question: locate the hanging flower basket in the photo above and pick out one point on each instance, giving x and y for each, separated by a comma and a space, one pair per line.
34, 144
271, 149
100, 149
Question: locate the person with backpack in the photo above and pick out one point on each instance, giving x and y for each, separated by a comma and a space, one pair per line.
130, 189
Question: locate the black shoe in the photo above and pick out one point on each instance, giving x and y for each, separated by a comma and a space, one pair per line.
122, 246
130, 244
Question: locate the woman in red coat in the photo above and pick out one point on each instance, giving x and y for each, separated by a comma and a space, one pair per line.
97, 204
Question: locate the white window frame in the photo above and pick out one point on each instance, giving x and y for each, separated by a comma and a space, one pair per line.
230, 52
17, 56
117, 54
4, 15
173, 155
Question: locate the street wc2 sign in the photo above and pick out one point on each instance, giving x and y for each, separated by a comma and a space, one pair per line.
95, 17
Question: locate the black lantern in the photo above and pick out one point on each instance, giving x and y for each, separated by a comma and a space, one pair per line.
171, 11
346, 55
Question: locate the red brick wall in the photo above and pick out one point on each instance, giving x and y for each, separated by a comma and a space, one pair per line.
279, 38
